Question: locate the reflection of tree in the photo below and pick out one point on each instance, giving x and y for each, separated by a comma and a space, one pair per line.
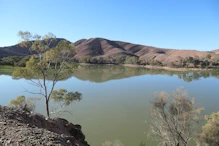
6, 70
190, 76
98, 73
195, 75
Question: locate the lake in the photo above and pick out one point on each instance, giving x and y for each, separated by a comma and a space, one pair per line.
116, 99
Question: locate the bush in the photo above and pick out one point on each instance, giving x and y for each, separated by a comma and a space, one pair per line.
24, 103
209, 134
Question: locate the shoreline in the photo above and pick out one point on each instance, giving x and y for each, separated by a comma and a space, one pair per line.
9, 68
156, 67
167, 68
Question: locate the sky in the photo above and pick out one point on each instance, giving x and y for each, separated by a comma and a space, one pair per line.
175, 24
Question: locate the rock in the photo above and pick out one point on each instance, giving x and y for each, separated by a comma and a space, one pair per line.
34, 129
78, 126
3, 123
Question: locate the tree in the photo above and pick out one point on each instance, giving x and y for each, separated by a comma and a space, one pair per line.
49, 63
209, 134
85, 59
173, 122
131, 60
208, 56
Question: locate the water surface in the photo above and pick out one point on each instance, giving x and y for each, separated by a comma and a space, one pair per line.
116, 99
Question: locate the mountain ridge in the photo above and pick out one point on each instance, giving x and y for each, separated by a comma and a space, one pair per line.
109, 49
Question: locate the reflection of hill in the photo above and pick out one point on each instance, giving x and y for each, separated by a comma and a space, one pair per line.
100, 73
103, 73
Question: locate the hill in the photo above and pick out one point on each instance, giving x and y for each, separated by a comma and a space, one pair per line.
20, 50
100, 50
99, 47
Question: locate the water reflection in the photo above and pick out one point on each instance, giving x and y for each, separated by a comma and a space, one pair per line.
109, 110
103, 73
98, 73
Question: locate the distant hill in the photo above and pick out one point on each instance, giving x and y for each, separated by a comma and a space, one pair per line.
216, 51
19, 50
100, 47
104, 48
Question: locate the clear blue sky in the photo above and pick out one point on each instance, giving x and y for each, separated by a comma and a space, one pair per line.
179, 24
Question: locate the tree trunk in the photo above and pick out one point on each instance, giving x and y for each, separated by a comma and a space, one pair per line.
47, 108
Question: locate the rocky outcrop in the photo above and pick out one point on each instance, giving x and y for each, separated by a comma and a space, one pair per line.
20, 127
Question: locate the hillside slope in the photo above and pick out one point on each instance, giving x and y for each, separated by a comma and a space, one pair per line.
20, 50
100, 47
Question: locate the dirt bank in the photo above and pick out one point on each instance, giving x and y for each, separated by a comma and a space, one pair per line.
20, 127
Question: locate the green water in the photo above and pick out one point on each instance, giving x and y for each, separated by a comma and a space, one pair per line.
116, 99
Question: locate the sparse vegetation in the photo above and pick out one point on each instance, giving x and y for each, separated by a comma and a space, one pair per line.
173, 122
23, 103
209, 135
19, 61
63, 98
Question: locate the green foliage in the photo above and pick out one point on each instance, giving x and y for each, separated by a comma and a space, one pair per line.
101, 60
14, 61
22, 62
85, 59
173, 122
131, 60
93, 60
188, 59
209, 134
120, 60
19, 101
4, 69
22, 102
198, 62
215, 62
32, 70
47, 64
208, 56
157, 62
65, 97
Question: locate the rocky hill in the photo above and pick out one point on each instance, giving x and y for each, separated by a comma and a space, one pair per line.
20, 127
20, 50
104, 48
99, 47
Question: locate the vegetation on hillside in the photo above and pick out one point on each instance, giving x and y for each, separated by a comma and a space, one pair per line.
103, 51
18, 61
188, 62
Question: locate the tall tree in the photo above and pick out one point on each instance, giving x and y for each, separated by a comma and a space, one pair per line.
173, 122
49, 63
209, 134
